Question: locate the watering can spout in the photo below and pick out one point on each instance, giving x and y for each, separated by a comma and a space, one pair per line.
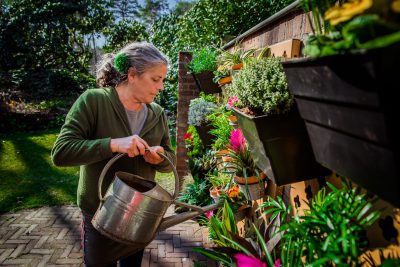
179, 218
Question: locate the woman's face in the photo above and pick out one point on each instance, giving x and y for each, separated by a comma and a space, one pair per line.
146, 86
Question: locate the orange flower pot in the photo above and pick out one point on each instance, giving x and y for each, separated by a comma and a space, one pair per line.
225, 80
250, 180
237, 66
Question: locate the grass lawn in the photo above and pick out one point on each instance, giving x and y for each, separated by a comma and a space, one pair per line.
28, 178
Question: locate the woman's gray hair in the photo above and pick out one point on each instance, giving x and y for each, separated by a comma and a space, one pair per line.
141, 56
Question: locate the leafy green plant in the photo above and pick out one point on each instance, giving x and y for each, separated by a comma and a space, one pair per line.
227, 58
201, 165
219, 179
200, 108
342, 26
220, 73
193, 142
196, 193
203, 60
261, 86
331, 232
221, 127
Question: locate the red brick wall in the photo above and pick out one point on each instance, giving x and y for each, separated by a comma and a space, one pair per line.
187, 90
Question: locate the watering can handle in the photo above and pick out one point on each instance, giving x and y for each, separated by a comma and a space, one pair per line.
120, 155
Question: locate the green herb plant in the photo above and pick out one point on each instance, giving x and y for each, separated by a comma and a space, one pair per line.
261, 86
203, 60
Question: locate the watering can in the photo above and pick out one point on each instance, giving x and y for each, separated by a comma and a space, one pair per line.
133, 208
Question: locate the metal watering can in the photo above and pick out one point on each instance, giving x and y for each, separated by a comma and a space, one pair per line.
133, 208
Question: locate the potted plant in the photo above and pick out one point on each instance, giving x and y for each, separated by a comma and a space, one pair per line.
201, 66
218, 183
199, 109
222, 76
344, 91
233, 59
270, 122
248, 176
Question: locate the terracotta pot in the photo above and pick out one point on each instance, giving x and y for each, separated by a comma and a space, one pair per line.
227, 159
225, 80
237, 66
250, 180
221, 153
232, 118
215, 193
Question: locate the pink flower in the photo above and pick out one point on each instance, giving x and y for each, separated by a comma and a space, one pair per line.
237, 140
277, 263
243, 260
209, 214
232, 101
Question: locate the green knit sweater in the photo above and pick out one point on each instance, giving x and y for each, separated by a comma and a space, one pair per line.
97, 116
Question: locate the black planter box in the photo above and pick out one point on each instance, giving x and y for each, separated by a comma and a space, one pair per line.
204, 82
348, 104
280, 147
204, 134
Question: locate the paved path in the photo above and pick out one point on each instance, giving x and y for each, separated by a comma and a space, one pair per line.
50, 236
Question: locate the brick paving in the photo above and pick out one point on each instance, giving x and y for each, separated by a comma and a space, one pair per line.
50, 236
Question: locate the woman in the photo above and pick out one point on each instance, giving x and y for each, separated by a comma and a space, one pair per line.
118, 117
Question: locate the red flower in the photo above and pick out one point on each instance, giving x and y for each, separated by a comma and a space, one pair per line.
187, 136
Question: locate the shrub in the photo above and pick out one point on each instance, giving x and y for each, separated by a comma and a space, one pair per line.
261, 86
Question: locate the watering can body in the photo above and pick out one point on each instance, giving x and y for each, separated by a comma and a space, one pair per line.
133, 208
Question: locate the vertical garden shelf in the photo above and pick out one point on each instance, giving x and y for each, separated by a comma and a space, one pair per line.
349, 105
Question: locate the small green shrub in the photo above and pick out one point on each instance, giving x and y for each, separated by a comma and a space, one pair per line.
203, 60
261, 86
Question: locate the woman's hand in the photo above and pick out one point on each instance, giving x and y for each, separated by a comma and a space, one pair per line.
151, 155
132, 145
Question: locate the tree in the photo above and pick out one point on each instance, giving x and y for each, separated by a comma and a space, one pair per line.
182, 7
122, 33
125, 9
152, 9
37, 35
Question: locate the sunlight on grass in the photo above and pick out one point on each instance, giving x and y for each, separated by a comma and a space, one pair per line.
28, 178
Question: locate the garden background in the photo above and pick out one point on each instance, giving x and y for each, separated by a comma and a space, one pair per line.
48, 53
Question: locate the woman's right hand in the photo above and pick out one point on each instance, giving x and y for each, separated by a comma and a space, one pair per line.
132, 145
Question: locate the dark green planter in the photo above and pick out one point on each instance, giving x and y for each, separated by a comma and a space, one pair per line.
349, 104
204, 82
204, 134
280, 147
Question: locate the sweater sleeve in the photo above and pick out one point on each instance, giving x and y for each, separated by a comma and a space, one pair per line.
168, 151
74, 145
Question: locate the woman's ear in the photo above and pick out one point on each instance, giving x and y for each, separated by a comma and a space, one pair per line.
131, 73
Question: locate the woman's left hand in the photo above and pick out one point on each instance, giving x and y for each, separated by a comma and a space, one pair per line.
151, 156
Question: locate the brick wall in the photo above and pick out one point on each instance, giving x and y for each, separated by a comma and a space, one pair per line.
187, 90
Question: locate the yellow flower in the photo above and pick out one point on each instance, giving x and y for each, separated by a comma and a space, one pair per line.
396, 6
338, 14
